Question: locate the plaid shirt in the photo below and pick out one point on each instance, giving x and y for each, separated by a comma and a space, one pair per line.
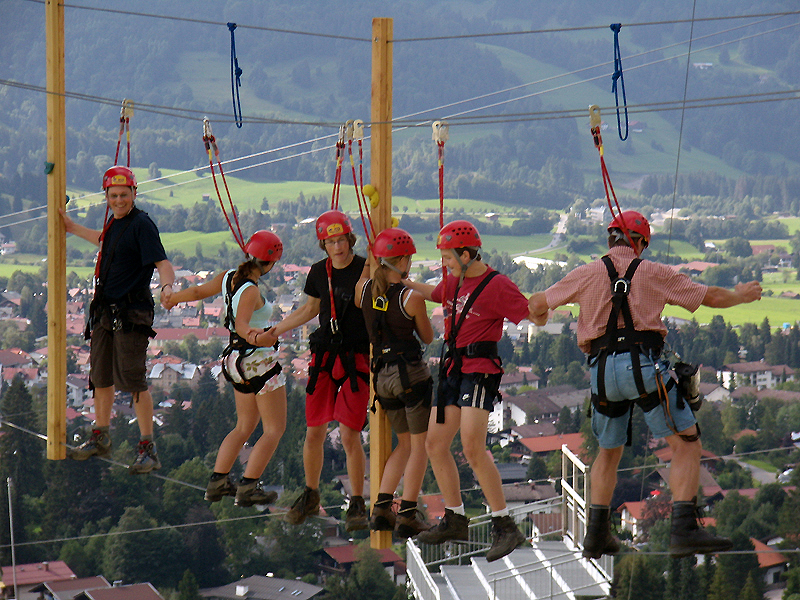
653, 286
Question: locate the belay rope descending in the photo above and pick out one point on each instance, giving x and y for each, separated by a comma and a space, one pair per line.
441, 133
213, 151
236, 79
347, 132
615, 27
596, 122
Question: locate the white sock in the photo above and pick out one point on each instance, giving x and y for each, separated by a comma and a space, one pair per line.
500, 513
459, 510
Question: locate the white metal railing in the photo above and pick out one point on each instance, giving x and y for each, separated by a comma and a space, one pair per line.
542, 579
418, 576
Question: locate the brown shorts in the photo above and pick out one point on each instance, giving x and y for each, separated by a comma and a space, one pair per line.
117, 358
412, 419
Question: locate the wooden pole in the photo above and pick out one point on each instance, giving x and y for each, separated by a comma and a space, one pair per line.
380, 432
56, 169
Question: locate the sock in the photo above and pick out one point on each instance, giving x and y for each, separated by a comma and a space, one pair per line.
217, 476
384, 500
246, 480
599, 506
407, 506
146, 439
503, 512
459, 510
103, 428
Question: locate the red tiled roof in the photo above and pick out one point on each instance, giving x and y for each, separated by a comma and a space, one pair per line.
767, 557
635, 508
551, 443
33, 573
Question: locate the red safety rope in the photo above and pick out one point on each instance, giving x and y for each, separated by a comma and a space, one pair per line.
213, 151
594, 112
440, 146
440, 135
363, 206
337, 177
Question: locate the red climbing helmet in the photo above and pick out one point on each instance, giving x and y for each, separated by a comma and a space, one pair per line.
458, 234
332, 223
119, 176
393, 242
634, 222
264, 245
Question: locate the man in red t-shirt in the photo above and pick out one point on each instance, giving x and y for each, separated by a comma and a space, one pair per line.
477, 299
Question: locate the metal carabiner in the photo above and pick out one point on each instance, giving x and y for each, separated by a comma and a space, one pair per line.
358, 130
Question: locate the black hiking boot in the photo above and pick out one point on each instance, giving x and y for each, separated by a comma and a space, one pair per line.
98, 444
249, 494
218, 488
506, 536
598, 539
688, 537
146, 459
356, 516
306, 505
451, 527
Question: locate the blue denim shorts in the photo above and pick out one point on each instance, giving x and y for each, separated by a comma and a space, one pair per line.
612, 432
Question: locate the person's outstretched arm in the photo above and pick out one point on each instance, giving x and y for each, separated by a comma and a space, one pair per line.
743, 293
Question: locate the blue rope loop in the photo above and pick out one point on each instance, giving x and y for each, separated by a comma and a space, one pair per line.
615, 27
236, 79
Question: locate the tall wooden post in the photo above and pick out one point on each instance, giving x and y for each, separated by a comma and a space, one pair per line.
56, 170
380, 433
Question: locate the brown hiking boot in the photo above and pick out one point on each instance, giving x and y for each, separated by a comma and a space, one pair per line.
306, 505
249, 494
99, 444
410, 524
356, 516
217, 489
451, 527
383, 518
506, 536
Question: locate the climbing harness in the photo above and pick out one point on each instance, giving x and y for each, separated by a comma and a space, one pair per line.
389, 349
249, 383
236, 79
451, 358
596, 123
213, 151
615, 27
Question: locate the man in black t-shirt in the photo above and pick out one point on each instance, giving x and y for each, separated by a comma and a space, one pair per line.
338, 378
120, 320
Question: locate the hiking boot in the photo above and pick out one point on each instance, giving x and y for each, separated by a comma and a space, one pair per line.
99, 444
506, 536
598, 539
146, 459
383, 518
410, 524
306, 505
216, 489
248, 494
688, 537
450, 527
356, 516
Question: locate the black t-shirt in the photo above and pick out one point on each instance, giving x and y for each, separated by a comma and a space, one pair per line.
396, 319
350, 318
131, 247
